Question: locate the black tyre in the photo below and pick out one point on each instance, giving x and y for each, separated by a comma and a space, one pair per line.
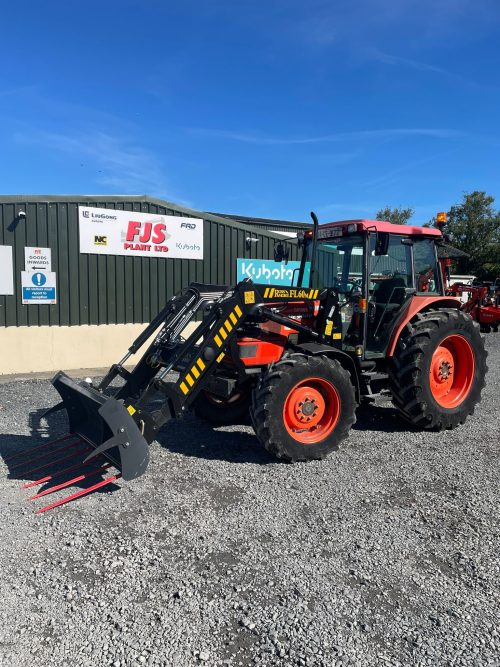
438, 370
303, 407
223, 412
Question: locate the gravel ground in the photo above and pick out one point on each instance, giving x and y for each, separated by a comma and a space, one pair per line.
385, 554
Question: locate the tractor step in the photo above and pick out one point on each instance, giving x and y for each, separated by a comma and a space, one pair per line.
374, 375
375, 383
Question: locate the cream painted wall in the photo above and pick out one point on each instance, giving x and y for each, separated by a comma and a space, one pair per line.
38, 349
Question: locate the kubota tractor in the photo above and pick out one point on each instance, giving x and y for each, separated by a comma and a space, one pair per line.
367, 313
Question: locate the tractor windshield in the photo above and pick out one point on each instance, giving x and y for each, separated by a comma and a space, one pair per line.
339, 264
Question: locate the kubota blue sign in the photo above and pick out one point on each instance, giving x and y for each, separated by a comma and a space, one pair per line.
268, 272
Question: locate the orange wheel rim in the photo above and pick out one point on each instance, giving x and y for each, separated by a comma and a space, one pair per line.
311, 410
452, 371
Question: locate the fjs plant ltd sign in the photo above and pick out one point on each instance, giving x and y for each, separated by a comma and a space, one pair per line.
106, 231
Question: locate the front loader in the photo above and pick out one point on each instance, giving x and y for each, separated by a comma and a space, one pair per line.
372, 317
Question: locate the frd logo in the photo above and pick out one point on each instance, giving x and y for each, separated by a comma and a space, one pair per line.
188, 225
100, 240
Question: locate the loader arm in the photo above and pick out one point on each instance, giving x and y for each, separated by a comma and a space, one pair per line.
120, 424
216, 333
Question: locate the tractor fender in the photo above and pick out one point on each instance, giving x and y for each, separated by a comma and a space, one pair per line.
418, 304
346, 361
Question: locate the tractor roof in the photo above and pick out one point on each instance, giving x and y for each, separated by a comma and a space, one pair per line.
381, 226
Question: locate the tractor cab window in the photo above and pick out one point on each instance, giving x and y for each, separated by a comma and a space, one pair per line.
389, 279
427, 278
339, 264
389, 274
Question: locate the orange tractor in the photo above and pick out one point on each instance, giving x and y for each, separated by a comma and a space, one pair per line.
367, 313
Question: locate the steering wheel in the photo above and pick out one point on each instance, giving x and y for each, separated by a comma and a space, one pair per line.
342, 285
356, 283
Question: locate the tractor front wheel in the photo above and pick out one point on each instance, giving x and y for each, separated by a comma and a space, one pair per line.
438, 370
303, 407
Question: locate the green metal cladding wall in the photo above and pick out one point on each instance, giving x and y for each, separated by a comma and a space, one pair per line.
106, 289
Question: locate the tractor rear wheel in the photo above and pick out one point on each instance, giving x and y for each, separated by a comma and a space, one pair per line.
438, 369
223, 411
303, 407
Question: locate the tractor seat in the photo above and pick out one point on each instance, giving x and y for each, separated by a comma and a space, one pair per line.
391, 291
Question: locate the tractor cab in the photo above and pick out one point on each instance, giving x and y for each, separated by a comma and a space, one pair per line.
375, 269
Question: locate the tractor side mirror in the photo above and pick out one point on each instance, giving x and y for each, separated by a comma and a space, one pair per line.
281, 252
382, 244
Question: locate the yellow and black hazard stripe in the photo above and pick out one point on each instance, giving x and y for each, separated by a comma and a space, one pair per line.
192, 376
228, 326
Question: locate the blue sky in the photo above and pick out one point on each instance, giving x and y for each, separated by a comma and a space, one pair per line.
268, 108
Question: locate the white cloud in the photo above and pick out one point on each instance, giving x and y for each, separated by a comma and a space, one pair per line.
357, 135
112, 161
397, 61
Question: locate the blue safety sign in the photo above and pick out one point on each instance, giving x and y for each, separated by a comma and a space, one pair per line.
38, 287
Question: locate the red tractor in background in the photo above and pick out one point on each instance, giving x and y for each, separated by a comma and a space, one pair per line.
481, 305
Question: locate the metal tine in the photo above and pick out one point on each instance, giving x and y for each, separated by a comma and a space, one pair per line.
63, 485
51, 463
78, 494
45, 454
34, 449
56, 474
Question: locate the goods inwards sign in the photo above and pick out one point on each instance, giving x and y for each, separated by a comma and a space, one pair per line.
105, 231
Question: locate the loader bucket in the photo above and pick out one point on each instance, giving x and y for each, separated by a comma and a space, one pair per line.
105, 424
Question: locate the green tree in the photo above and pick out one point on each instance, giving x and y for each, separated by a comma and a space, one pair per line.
398, 216
474, 226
